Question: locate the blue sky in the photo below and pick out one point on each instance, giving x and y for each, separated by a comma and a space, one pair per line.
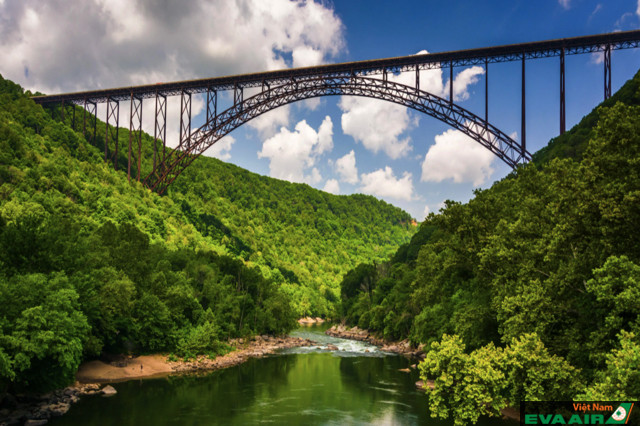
344, 145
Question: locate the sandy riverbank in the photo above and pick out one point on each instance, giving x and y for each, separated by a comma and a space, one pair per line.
158, 365
38, 409
131, 368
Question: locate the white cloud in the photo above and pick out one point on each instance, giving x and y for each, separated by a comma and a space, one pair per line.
305, 56
270, 122
290, 154
463, 80
325, 136
332, 186
456, 156
383, 183
376, 124
221, 149
346, 168
380, 125
565, 3
426, 211
638, 9
315, 177
93, 44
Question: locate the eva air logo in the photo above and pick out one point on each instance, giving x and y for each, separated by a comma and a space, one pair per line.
621, 415
584, 413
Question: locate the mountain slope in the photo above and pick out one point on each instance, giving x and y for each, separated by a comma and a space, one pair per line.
574, 142
537, 278
90, 262
312, 236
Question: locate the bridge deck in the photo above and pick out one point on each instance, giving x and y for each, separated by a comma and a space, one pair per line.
512, 52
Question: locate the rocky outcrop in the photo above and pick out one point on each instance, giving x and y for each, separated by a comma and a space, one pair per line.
310, 320
257, 347
403, 347
38, 409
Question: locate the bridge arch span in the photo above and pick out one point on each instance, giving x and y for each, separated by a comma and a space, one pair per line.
492, 138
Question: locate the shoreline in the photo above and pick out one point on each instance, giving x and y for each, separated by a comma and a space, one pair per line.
401, 348
93, 377
354, 333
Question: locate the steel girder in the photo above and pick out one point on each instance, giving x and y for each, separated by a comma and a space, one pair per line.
135, 116
159, 129
111, 133
495, 54
91, 108
492, 138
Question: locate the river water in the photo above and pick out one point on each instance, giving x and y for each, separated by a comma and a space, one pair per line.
356, 385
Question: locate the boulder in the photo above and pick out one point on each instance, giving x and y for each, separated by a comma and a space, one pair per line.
109, 391
34, 422
59, 408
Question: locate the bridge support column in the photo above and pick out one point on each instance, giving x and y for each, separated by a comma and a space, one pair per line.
160, 129
523, 136
62, 111
451, 82
268, 88
212, 106
73, 115
417, 78
607, 72
562, 90
486, 92
135, 116
238, 96
91, 108
185, 119
113, 115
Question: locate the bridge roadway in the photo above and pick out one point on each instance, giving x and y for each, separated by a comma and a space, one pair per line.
482, 56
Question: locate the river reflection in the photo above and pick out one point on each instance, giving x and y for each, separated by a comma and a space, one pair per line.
300, 387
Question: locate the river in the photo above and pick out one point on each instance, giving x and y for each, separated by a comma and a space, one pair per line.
355, 385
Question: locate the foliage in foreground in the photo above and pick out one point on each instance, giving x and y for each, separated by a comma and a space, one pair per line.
550, 251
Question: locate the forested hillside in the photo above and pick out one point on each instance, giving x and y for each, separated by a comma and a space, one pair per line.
311, 237
531, 290
91, 263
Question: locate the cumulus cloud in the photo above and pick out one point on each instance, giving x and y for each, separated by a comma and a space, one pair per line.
426, 211
384, 183
291, 153
346, 168
565, 3
270, 122
221, 149
73, 45
376, 124
456, 156
380, 125
463, 80
332, 186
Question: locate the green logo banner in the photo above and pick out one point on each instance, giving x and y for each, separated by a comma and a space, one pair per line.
580, 413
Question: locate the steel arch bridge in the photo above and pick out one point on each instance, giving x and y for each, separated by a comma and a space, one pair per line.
278, 88
457, 117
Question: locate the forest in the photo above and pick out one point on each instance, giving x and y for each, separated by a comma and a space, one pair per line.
531, 290
91, 263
